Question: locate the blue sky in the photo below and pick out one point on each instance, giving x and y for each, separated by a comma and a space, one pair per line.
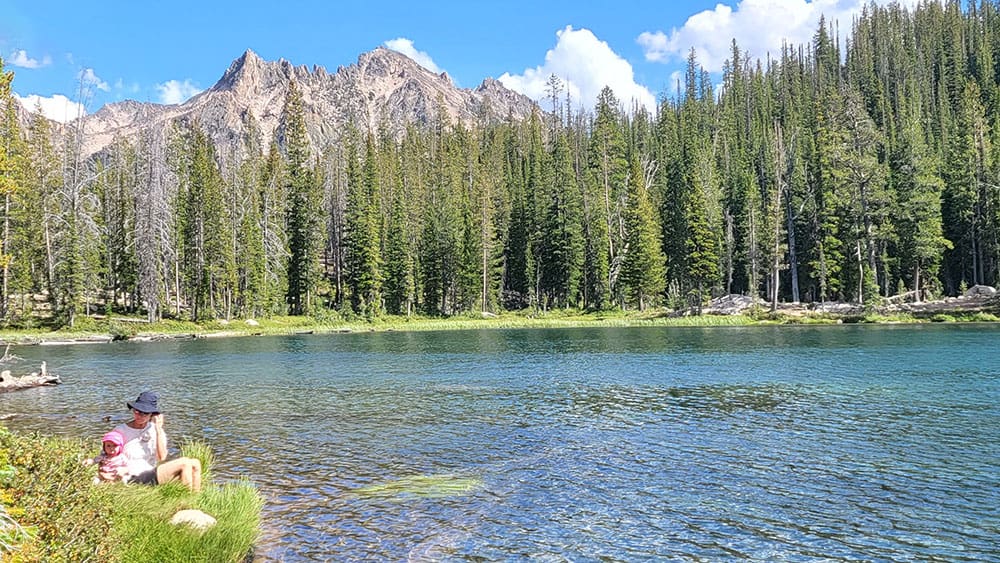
167, 52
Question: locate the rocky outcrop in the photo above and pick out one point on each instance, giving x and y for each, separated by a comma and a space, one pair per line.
730, 305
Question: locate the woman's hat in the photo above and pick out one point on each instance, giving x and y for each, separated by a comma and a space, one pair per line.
146, 403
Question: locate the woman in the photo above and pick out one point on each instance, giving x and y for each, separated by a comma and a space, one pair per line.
146, 447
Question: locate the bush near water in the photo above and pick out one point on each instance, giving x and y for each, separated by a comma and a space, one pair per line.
50, 510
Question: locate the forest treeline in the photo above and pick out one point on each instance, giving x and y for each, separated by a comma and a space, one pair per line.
827, 172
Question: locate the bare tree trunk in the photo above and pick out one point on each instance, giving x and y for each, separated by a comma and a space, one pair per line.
4, 251
486, 253
730, 241
793, 260
177, 287
861, 273
776, 216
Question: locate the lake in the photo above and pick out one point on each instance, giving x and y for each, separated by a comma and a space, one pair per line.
876, 443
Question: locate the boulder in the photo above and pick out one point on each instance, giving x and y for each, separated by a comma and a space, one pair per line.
731, 304
980, 291
194, 518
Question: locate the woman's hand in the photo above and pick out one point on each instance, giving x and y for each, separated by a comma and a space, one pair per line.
161, 437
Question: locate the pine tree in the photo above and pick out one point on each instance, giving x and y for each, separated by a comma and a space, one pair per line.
609, 169
439, 241
203, 236
116, 192
363, 234
560, 243
35, 214
962, 209
644, 266
10, 180
918, 183
516, 279
274, 233
399, 267
701, 242
303, 207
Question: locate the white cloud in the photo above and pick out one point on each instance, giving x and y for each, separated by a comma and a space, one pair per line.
177, 92
585, 64
20, 58
405, 46
57, 108
89, 78
759, 27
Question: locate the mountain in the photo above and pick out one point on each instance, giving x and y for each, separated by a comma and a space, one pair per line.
382, 88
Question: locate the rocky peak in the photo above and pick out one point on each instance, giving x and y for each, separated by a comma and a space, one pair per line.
249, 66
382, 61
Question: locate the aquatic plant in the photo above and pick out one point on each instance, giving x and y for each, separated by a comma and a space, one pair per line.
424, 486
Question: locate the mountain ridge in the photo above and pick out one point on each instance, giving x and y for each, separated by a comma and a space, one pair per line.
382, 89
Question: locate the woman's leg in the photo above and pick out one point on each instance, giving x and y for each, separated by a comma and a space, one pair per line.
196, 475
187, 469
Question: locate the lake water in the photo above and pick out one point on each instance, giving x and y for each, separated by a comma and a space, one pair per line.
766, 443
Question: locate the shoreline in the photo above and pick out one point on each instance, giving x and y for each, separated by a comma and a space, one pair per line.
722, 312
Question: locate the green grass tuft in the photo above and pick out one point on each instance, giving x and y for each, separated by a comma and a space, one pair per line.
145, 512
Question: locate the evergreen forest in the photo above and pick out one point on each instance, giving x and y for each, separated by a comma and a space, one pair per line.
834, 171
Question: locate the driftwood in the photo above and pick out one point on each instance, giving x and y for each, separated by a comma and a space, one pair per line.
34, 379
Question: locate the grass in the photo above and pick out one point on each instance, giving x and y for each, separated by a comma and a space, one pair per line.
50, 510
327, 321
143, 516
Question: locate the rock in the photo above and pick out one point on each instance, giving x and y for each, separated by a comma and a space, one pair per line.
731, 304
980, 291
837, 308
251, 322
194, 518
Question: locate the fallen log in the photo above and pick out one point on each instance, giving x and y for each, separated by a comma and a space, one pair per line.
33, 379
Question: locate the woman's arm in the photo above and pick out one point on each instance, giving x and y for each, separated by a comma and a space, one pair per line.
161, 437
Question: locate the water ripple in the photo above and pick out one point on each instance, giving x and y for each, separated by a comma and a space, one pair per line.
586, 445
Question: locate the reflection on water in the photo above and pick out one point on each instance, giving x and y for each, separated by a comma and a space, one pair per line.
872, 443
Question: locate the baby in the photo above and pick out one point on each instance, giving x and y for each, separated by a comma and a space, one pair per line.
112, 463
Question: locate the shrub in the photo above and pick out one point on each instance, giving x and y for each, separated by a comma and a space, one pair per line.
47, 490
984, 317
